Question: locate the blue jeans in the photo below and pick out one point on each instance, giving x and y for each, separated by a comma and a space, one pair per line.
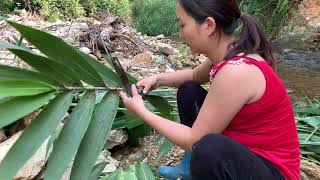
216, 156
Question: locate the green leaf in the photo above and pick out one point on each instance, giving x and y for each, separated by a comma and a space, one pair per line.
312, 121
54, 70
164, 148
19, 107
114, 175
55, 48
70, 137
127, 121
137, 132
6, 45
130, 176
144, 172
23, 88
161, 105
109, 61
313, 109
13, 73
34, 135
102, 70
95, 137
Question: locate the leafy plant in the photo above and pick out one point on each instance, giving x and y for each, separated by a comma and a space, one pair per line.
308, 124
118, 7
5, 6
271, 13
64, 82
137, 171
155, 17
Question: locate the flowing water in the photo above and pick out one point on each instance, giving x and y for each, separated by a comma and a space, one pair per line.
299, 68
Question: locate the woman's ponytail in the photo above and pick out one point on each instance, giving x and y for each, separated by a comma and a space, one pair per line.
252, 40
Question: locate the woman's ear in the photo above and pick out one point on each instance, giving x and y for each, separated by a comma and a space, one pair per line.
210, 25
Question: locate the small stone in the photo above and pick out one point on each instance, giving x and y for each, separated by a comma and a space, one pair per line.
93, 56
161, 36
85, 50
143, 58
166, 49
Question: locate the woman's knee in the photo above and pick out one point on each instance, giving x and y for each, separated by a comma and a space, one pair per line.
211, 144
187, 89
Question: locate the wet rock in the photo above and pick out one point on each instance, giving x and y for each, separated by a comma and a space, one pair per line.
166, 49
144, 58
116, 137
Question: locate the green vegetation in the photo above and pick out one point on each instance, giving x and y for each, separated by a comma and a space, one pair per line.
68, 9
155, 17
308, 125
5, 6
271, 13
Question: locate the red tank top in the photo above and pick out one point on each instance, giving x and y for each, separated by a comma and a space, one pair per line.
267, 126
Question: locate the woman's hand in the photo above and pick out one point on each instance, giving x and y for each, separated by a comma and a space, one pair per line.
148, 83
134, 104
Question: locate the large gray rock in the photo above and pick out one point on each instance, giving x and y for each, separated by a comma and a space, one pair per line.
116, 137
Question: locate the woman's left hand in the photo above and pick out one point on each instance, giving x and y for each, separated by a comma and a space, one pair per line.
134, 104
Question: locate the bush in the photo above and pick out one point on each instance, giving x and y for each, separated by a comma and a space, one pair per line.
5, 6
118, 7
68, 9
63, 9
155, 17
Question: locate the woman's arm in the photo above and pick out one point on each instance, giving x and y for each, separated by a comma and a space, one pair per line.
233, 87
175, 79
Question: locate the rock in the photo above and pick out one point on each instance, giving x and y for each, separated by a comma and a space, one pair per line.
33, 165
166, 49
143, 58
112, 165
6, 145
311, 170
161, 36
136, 156
28, 119
3, 136
85, 50
169, 69
116, 137
303, 176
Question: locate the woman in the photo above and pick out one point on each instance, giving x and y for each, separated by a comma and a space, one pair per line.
243, 127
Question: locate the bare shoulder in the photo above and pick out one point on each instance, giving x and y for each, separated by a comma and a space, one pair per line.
241, 78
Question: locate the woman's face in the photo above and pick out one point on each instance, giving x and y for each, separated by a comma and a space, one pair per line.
194, 34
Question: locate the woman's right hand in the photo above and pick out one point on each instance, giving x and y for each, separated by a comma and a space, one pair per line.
148, 83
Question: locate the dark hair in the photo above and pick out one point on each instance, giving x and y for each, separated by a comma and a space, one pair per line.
226, 14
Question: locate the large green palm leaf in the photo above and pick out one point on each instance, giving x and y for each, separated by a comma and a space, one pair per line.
56, 81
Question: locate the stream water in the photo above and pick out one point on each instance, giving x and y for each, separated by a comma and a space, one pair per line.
299, 68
